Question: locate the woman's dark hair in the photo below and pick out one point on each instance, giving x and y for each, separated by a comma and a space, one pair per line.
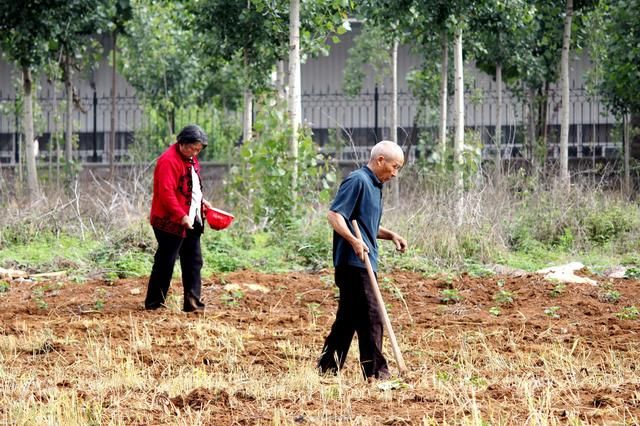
191, 134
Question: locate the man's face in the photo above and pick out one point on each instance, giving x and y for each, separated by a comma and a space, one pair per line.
388, 168
190, 150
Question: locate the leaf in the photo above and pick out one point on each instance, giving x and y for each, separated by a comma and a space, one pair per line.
393, 384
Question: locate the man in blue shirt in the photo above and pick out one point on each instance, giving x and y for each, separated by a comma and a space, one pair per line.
360, 198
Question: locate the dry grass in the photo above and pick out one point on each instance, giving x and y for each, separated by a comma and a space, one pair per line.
495, 378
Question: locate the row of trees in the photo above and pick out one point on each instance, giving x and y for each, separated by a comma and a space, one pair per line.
233, 53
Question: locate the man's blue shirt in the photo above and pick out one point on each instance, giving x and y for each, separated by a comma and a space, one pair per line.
359, 197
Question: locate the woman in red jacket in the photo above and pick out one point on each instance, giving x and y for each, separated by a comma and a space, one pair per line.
177, 220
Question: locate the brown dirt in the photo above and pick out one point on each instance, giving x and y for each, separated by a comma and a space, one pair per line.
578, 365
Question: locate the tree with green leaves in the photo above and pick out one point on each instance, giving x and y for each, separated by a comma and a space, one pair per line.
122, 13
26, 39
253, 33
500, 32
76, 49
619, 56
157, 60
615, 47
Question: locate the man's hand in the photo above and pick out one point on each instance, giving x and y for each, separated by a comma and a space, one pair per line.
401, 243
207, 204
186, 222
360, 248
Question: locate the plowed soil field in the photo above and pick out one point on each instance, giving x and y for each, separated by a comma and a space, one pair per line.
510, 350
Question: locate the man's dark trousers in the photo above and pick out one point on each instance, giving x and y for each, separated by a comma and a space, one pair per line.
170, 246
357, 312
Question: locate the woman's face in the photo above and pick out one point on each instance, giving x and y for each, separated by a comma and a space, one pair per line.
190, 150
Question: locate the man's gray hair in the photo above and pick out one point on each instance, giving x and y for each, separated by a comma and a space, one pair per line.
386, 149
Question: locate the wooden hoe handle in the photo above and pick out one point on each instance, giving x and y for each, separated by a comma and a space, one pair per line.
383, 311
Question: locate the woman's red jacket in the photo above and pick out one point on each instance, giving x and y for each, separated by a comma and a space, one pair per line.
172, 188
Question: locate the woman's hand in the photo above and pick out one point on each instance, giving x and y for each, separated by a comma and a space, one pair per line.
187, 222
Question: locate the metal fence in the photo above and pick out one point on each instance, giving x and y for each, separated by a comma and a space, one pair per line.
334, 117
364, 119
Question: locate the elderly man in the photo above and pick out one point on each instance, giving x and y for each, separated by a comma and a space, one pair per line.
360, 198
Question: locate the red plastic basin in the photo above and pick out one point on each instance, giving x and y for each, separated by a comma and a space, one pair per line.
218, 219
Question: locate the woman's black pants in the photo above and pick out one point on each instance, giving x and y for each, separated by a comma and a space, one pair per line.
357, 313
170, 246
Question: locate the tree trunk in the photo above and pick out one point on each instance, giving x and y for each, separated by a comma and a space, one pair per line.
627, 154
458, 142
281, 80
531, 130
394, 114
564, 77
295, 99
27, 123
444, 72
68, 125
112, 132
247, 116
54, 110
498, 135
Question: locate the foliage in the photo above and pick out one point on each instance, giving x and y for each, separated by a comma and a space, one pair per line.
221, 127
261, 182
503, 297
500, 33
552, 312
617, 54
444, 171
129, 254
27, 33
608, 293
154, 58
450, 295
309, 242
557, 290
632, 272
604, 226
221, 253
256, 34
232, 298
370, 53
628, 313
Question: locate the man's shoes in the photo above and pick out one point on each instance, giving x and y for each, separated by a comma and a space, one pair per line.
154, 307
191, 304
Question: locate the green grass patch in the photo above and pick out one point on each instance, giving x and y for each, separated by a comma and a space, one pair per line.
49, 254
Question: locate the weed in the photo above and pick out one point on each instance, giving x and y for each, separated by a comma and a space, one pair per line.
100, 296
232, 298
477, 270
4, 287
314, 312
552, 311
221, 253
38, 297
327, 280
557, 290
450, 295
443, 376
608, 293
495, 311
628, 313
503, 297
632, 272
478, 381
388, 285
